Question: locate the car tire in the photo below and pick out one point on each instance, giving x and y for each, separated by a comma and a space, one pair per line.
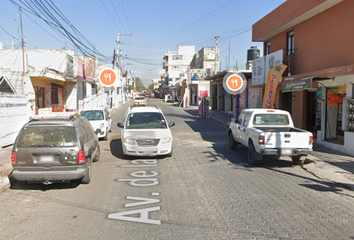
232, 142
170, 154
252, 154
98, 154
297, 160
87, 178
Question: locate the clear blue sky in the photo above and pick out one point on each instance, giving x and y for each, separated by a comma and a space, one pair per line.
155, 26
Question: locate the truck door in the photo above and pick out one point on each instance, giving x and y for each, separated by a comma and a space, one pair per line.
236, 126
243, 128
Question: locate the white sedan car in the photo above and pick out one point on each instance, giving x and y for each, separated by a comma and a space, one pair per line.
146, 132
99, 119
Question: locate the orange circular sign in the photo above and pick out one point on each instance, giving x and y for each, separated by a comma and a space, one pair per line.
234, 82
108, 76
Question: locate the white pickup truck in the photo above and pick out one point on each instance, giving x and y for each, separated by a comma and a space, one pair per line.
269, 132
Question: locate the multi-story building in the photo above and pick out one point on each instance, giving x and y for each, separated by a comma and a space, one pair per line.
204, 63
35, 81
318, 85
176, 64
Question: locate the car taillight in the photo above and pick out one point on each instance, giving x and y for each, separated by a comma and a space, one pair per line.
311, 140
261, 140
81, 159
13, 158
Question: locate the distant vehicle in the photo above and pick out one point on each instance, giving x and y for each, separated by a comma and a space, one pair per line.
145, 132
140, 101
55, 148
99, 119
269, 132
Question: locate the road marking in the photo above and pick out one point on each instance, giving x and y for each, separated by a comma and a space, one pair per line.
141, 179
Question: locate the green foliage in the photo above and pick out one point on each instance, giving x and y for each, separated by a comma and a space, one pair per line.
139, 85
151, 87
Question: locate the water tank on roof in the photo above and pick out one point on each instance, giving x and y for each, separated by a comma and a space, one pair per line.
253, 53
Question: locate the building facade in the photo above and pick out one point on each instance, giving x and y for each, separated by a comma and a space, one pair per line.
317, 87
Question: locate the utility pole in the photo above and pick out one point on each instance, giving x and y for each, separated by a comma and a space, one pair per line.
228, 62
216, 53
23, 53
119, 64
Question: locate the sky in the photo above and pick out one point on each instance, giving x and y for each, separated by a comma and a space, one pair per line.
147, 28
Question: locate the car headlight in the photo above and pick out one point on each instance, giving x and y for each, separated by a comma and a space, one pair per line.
165, 140
128, 141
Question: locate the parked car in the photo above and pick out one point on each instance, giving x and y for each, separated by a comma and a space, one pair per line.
269, 132
56, 147
99, 119
140, 101
145, 132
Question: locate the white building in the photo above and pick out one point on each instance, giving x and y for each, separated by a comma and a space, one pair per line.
176, 64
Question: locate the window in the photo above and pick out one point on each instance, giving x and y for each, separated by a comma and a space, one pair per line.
271, 119
177, 57
240, 117
290, 43
247, 118
267, 48
146, 120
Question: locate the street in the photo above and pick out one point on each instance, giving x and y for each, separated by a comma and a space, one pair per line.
204, 191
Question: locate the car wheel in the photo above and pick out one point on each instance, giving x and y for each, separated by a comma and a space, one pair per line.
232, 142
98, 154
297, 160
87, 178
252, 154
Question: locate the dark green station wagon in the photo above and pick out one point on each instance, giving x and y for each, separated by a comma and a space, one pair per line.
55, 148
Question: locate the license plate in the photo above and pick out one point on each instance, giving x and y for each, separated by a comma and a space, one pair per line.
46, 159
286, 152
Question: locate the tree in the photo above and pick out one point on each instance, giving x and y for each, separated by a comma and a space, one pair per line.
139, 85
151, 87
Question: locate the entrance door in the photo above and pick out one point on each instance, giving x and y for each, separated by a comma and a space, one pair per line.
57, 97
334, 116
40, 96
287, 99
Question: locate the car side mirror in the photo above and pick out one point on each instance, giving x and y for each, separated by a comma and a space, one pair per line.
121, 125
233, 119
171, 124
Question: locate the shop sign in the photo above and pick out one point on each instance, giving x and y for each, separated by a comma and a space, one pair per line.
342, 89
262, 66
334, 99
297, 85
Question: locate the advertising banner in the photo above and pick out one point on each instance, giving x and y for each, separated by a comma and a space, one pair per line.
261, 66
258, 66
274, 76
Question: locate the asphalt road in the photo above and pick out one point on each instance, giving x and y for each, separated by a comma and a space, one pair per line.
204, 191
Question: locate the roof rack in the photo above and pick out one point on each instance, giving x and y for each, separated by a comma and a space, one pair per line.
64, 116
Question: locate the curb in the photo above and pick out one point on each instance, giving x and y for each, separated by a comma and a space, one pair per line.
4, 183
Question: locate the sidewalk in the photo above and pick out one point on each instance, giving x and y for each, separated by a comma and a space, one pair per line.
324, 163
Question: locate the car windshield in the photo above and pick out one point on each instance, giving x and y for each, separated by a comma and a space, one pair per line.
145, 120
93, 115
271, 119
47, 136
139, 98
